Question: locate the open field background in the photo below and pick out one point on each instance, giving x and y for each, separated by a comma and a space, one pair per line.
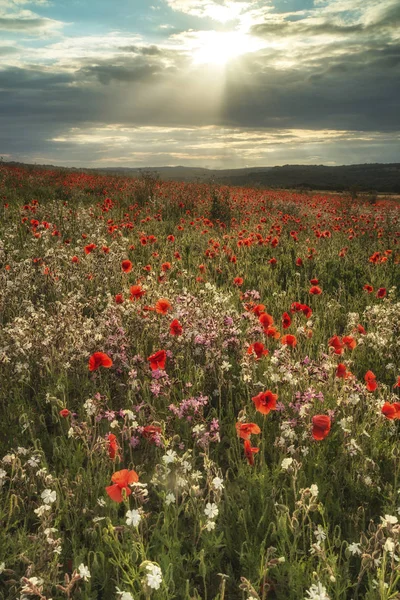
200, 299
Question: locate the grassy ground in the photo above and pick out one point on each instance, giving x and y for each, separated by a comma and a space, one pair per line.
305, 507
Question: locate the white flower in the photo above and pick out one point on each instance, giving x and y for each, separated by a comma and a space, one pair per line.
354, 549
314, 490
389, 520
48, 496
2, 567
389, 545
133, 518
124, 595
286, 463
217, 483
42, 509
84, 572
101, 502
169, 457
170, 498
3, 473
320, 534
317, 592
33, 462
211, 510
154, 576
210, 525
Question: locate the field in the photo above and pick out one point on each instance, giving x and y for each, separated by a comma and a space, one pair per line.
200, 391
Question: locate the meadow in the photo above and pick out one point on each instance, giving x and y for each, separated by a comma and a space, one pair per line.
199, 391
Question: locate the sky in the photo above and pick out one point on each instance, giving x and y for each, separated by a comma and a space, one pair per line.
206, 83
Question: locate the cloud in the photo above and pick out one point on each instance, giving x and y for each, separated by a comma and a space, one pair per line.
218, 10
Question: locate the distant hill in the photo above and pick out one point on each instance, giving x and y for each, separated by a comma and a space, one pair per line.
364, 178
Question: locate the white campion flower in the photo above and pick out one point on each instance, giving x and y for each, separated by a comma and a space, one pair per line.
133, 518
210, 525
48, 496
84, 572
124, 595
317, 592
154, 576
389, 520
170, 498
169, 457
2, 567
389, 545
354, 549
320, 534
211, 510
218, 483
286, 463
42, 509
314, 490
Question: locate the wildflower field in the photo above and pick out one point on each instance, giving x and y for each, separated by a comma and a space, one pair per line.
199, 391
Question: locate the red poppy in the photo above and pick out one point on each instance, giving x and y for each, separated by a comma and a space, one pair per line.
315, 290
89, 248
381, 293
122, 479
65, 412
342, 371
258, 310
397, 384
175, 328
306, 310
112, 446
171, 238
75, 259
136, 292
162, 306
272, 261
249, 451
258, 349
361, 329
286, 320
321, 426
99, 359
336, 343
289, 340
150, 432
391, 411
245, 430
119, 299
126, 266
266, 320
299, 262
157, 360
166, 266
368, 288
238, 281
314, 281
265, 402
147, 268
272, 332
349, 342
370, 380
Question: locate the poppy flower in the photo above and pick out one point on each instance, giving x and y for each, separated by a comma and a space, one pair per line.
119, 299
272, 261
314, 281
238, 281
391, 411
89, 248
306, 310
289, 340
266, 320
121, 480
249, 451
258, 349
315, 290
397, 384
162, 306
64, 413
99, 359
368, 288
258, 310
245, 430
349, 342
265, 402
361, 329
299, 262
126, 266
147, 268
75, 259
370, 380
286, 320
381, 293
166, 266
136, 292
321, 426
157, 360
175, 328
112, 446
272, 332
342, 371
171, 238
336, 343
150, 432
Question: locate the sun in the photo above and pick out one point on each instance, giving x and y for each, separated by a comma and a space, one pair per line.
218, 48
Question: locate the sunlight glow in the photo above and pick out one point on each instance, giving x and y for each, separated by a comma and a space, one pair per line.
218, 48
